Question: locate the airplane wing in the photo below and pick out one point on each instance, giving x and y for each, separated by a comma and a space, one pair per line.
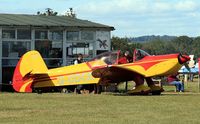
114, 74
147, 67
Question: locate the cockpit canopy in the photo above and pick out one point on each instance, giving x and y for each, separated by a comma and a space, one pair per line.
139, 54
108, 57
112, 57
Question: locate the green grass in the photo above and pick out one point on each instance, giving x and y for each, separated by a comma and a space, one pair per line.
189, 86
99, 109
107, 108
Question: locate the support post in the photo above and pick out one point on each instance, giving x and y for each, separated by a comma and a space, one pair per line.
126, 86
198, 84
64, 52
32, 39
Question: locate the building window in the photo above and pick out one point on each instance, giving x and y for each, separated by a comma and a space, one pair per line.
73, 49
23, 34
51, 52
87, 35
73, 35
12, 50
41, 34
8, 34
15, 48
51, 48
56, 35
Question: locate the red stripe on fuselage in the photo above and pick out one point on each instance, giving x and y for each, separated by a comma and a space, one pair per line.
54, 77
44, 79
92, 68
88, 64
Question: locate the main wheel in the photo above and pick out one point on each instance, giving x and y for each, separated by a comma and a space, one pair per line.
98, 89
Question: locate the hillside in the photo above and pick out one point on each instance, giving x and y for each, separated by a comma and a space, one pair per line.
151, 37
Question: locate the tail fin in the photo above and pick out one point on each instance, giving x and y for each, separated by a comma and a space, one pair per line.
29, 64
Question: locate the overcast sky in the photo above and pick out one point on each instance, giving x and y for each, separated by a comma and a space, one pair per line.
131, 18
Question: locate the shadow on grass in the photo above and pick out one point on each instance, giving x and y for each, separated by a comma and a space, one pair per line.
172, 93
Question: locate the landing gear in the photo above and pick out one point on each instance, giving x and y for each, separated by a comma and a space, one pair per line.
140, 90
88, 89
38, 91
97, 89
156, 93
156, 90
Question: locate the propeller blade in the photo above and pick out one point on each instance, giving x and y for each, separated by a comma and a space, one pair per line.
187, 66
183, 58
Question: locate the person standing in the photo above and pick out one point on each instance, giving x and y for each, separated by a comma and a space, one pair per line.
78, 61
191, 64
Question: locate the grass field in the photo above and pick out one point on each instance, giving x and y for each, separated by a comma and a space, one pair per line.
168, 108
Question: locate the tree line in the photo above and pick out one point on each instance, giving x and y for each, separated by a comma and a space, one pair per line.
182, 44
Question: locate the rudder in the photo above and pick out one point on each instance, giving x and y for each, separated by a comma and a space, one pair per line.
29, 64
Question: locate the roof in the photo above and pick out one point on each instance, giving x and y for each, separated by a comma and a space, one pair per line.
49, 21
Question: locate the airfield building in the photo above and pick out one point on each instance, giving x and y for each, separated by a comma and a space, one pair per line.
58, 38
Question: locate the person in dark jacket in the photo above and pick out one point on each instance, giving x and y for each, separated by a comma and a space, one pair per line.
79, 59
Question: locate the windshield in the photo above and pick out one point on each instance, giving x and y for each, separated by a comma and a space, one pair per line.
140, 54
108, 57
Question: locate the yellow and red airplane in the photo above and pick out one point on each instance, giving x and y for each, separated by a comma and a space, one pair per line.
31, 73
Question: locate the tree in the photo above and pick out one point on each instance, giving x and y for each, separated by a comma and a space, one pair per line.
71, 13
49, 12
183, 44
119, 43
195, 47
155, 47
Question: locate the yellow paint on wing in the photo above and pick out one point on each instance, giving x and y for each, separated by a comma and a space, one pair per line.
162, 68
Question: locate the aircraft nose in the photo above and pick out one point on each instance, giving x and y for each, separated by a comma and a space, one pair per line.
183, 58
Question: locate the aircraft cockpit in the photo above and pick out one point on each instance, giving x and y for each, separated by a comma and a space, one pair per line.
112, 57
139, 54
109, 58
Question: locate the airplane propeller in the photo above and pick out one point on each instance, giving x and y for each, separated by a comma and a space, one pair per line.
183, 59
187, 66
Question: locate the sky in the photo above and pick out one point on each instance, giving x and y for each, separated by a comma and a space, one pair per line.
130, 18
